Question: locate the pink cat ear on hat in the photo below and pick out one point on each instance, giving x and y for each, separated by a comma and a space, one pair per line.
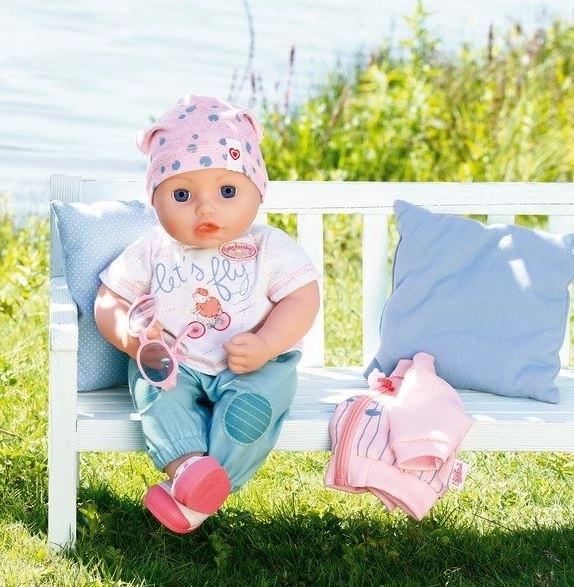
255, 124
144, 138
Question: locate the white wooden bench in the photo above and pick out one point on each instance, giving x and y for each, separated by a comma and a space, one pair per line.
105, 421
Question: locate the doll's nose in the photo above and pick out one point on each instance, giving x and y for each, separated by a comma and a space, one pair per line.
204, 207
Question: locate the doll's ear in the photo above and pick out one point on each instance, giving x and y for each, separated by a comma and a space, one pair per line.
255, 124
144, 138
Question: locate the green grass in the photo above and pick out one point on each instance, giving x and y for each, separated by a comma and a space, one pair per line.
513, 524
506, 114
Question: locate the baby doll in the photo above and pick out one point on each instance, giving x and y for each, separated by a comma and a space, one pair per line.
250, 289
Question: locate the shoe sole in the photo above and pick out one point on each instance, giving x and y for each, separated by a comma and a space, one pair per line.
203, 486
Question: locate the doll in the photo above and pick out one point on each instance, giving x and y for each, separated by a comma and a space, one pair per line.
238, 296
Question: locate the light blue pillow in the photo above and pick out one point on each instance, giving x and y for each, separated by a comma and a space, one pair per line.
489, 302
92, 235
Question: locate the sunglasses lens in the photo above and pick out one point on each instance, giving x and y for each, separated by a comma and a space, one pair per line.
142, 316
155, 362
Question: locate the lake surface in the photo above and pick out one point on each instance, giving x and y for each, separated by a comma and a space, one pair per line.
78, 79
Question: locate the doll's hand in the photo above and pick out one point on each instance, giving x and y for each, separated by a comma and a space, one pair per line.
246, 352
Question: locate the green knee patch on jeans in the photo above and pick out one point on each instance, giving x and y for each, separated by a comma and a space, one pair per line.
247, 418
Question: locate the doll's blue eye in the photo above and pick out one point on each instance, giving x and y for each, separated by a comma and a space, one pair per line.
228, 191
181, 195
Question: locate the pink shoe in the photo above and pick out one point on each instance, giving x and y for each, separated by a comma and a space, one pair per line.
201, 484
173, 515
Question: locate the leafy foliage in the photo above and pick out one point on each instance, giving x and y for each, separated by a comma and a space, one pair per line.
504, 113
23, 262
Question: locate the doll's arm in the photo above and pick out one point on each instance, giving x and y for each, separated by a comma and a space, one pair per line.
111, 318
287, 323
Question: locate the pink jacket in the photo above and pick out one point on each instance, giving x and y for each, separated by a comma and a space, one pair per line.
399, 441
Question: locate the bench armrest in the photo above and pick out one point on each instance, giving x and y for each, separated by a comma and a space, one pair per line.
63, 317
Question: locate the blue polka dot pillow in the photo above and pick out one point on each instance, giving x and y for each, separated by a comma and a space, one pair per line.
489, 302
92, 235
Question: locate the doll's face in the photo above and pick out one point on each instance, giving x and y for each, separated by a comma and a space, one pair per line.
207, 207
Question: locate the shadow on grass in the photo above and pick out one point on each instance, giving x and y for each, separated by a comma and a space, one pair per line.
297, 543
299, 546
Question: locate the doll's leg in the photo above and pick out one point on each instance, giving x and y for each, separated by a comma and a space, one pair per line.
247, 415
175, 425
175, 422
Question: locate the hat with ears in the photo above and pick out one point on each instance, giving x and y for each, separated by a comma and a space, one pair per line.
200, 132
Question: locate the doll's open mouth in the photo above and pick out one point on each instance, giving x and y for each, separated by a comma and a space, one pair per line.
206, 228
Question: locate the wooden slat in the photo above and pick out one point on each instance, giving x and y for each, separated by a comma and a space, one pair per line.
63, 317
500, 198
453, 198
375, 249
107, 420
310, 236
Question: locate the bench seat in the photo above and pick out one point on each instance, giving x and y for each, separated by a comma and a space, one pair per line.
106, 418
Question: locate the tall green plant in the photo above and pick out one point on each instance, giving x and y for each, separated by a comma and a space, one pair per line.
23, 331
23, 262
502, 113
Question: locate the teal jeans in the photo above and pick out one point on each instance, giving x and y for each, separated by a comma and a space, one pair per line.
234, 418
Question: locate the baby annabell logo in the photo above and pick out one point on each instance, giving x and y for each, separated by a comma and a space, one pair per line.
458, 474
238, 250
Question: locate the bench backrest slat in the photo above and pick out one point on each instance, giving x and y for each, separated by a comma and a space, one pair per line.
376, 279
310, 235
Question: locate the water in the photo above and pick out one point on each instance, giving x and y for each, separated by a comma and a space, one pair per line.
77, 79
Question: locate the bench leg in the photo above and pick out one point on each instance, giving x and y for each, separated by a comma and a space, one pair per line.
62, 495
62, 453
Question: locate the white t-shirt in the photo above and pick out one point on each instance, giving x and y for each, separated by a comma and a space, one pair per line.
221, 291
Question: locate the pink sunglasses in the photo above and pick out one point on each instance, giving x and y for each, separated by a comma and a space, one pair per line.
157, 362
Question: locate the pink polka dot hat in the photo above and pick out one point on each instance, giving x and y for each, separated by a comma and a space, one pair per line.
201, 132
